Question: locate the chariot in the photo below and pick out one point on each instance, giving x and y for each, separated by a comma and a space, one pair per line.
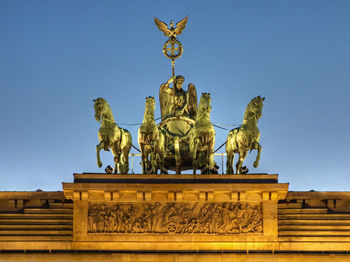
178, 150
184, 139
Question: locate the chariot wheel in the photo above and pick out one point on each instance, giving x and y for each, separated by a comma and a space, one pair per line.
172, 228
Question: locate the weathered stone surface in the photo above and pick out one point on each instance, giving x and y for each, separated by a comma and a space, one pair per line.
175, 218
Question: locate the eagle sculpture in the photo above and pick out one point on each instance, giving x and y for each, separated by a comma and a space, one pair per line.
171, 32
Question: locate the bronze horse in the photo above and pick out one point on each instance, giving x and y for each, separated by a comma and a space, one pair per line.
151, 141
203, 137
111, 136
241, 140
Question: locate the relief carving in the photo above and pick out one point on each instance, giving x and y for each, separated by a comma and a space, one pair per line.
175, 218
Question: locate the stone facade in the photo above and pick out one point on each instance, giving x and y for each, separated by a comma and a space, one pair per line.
175, 213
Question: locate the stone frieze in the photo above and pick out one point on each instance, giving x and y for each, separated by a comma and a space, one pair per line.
175, 218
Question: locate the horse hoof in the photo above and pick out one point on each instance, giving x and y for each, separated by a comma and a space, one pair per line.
229, 171
99, 163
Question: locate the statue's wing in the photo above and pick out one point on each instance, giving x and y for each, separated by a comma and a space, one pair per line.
164, 101
162, 26
180, 26
192, 101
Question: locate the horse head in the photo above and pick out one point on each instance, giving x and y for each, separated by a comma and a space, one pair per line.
101, 106
254, 108
150, 107
204, 106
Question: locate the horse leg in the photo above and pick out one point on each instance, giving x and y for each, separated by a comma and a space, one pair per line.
161, 165
194, 166
119, 153
100, 146
161, 156
229, 162
162, 169
116, 155
258, 147
153, 159
208, 158
160, 161
238, 164
213, 166
242, 156
125, 146
124, 161
146, 155
157, 161
143, 158
194, 158
230, 151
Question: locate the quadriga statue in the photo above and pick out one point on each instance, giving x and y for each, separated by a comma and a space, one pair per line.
151, 141
241, 140
111, 136
203, 137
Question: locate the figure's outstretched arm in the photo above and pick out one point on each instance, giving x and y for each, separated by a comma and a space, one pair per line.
171, 79
166, 97
165, 87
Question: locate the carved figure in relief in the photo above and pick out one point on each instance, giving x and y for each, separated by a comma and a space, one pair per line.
154, 211
147, 219
240, 219
128, 218
255, 223
241, 140
151, 140
225, 219
93, 215
205, 224
111, 136
215, 220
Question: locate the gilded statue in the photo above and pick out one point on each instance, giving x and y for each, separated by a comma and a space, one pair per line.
183, 140
203, 137
241, 140
111, 136
176, 101
151, 141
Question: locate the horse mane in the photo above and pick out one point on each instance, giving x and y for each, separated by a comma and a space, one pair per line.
248, 112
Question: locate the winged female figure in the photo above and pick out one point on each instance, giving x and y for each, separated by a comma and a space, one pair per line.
176, 101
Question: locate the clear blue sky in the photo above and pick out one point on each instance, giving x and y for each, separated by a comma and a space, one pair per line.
56, 56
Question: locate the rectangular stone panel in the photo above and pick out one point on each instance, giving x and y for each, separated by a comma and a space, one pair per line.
195, 218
